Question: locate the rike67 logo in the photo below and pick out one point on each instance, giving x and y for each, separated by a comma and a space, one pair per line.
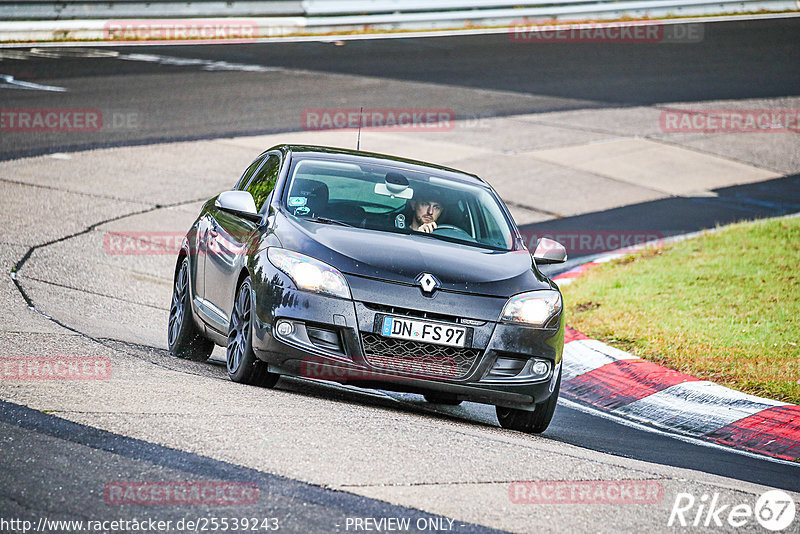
774, 510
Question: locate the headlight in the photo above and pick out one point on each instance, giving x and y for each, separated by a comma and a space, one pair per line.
534, 308
309, 274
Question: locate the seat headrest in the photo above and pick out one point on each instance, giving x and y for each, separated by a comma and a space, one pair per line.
315, 194
303, 187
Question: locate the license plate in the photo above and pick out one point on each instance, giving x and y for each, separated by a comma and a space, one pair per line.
440, 334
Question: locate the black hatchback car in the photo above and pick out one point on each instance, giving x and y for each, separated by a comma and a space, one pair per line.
372, 270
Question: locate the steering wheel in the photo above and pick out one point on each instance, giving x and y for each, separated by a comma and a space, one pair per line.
451, 227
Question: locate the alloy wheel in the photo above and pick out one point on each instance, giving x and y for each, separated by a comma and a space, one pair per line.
177, 308
239, 331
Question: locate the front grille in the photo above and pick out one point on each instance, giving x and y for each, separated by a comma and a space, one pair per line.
418, 359
394, 310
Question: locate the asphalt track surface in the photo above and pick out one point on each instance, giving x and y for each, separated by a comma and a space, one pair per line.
735, 60
40, 486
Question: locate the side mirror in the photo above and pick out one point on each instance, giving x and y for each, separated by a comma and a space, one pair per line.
239, 203
549, 251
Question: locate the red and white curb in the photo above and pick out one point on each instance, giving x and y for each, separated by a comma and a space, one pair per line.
624, 385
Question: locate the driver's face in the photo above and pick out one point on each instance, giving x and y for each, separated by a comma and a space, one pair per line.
426, 211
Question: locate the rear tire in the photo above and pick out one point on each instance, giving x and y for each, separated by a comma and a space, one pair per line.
243, 365
442, 398
534, 422
185, 340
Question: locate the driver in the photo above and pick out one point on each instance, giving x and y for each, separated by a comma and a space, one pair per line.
426, 208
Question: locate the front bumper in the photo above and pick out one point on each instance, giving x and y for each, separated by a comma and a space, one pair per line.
309, 335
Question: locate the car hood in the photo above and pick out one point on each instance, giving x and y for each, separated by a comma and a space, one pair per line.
402, 258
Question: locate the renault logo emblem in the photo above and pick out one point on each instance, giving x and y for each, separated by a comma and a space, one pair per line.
427, 282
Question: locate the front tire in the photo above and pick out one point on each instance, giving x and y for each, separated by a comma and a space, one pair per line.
534, 422
185, 340
243, 366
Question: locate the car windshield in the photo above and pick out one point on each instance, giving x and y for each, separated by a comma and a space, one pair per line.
399, 200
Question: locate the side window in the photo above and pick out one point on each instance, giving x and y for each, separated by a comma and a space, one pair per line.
240, 185
264, 181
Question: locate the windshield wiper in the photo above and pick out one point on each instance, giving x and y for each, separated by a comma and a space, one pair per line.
325, 220
448, 239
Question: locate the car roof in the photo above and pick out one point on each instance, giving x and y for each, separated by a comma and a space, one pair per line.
341, 154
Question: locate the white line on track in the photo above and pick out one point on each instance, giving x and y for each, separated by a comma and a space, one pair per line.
205, 64
51, 53
9, 82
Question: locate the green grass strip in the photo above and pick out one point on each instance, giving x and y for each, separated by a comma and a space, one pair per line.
723, 307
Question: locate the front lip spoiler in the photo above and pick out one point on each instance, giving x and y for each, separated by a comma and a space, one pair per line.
386, 381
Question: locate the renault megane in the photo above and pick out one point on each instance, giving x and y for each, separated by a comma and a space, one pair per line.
372, 270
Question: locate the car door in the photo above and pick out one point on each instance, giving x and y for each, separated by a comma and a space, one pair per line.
228, 236
204, 238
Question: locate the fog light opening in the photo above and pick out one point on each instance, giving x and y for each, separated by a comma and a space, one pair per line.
284, 328
540, 368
